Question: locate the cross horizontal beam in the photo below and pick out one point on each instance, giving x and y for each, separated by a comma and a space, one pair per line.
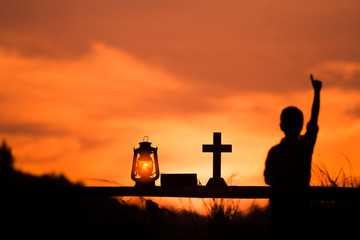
250, 192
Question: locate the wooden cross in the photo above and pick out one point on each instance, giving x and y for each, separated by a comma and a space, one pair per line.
216, 149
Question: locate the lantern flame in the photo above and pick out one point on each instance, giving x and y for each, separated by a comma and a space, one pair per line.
145, 168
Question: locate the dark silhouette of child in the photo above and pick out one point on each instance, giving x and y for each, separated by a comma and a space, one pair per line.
288, 164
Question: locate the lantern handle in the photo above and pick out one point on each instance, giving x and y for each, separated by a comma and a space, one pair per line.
147, 139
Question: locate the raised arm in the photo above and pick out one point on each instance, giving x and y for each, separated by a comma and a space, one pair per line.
316, 103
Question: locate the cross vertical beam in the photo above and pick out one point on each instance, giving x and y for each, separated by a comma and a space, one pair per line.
217, 148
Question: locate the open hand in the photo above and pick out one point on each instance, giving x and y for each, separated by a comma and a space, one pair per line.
315, 83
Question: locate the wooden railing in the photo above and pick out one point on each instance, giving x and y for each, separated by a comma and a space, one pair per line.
250, 192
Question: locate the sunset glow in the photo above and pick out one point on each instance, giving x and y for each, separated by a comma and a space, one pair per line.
82, 83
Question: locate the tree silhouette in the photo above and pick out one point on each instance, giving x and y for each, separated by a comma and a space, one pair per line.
6, 158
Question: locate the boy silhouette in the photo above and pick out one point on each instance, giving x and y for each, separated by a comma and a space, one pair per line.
288, 164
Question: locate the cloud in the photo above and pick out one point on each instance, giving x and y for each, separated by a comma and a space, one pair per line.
227, 47
105, 80
26, 128
340, 74
81, 104
355, 111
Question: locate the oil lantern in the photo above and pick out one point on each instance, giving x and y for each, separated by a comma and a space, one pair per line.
145, 167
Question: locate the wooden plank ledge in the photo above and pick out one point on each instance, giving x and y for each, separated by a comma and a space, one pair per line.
250, 192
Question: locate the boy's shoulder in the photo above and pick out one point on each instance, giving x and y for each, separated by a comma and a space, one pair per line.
278, 147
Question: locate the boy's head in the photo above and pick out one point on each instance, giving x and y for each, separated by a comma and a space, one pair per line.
291, 121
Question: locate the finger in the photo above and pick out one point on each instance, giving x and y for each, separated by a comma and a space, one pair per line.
311, 77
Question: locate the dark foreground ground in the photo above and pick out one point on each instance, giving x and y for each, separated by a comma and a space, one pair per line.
86, 217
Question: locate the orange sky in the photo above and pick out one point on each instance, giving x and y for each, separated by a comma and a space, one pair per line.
83, 82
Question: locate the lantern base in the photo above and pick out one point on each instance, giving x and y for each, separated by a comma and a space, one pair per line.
151, 184
218, 182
